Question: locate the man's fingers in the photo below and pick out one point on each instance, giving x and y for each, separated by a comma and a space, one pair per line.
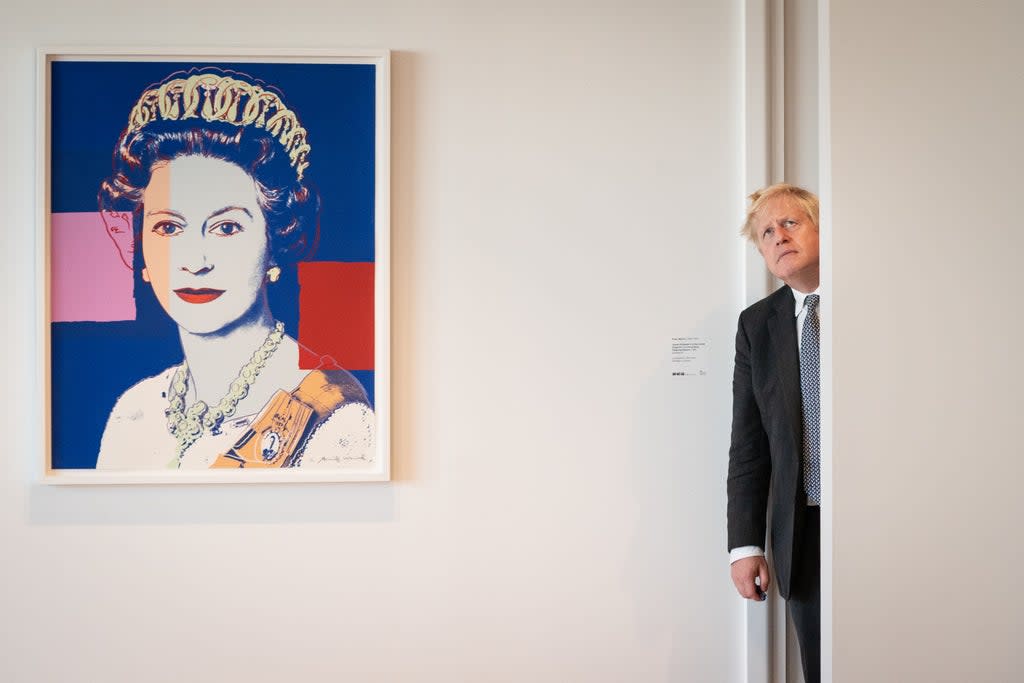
766, 579
746, 574
748, 590
745, 587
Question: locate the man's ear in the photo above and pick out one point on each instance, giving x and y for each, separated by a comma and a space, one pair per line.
118, 225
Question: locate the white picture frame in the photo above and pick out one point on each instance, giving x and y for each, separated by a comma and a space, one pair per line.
341, 98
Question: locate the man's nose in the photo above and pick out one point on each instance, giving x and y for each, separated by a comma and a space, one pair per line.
781, 235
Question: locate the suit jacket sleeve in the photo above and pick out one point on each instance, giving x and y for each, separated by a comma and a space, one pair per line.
749, 455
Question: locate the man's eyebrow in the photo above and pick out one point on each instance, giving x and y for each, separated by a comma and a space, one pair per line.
226, 209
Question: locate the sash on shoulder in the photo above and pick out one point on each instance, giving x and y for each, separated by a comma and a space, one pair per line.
276, 438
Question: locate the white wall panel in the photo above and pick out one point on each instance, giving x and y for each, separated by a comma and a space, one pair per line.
926, 107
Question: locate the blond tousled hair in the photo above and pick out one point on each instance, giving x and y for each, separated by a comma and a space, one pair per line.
806, 199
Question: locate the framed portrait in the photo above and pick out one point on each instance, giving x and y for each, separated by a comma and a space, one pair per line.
214, 255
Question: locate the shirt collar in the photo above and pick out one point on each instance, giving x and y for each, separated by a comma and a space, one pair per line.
799, 298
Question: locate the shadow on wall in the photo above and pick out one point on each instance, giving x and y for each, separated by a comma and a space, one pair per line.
211, 504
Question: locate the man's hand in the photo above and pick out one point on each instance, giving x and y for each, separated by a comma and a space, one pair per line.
745, 571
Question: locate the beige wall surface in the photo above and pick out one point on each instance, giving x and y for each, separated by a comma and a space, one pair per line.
926, 111
565, 180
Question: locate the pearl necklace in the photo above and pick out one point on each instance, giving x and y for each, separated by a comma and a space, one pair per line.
188, 426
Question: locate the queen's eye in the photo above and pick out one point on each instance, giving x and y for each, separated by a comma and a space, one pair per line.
226, 229
167, 229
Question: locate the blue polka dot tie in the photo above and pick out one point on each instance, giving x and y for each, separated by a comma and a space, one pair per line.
810, 370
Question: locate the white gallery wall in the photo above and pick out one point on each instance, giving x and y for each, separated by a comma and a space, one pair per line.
926, 111
566, 181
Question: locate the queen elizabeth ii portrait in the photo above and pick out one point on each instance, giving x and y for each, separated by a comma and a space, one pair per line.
245, 219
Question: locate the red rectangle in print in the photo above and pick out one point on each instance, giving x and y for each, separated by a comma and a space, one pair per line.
336, 315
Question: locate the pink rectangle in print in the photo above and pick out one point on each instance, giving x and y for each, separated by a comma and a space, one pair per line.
89, 276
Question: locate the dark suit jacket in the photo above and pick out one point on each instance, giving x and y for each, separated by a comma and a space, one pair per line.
766, 455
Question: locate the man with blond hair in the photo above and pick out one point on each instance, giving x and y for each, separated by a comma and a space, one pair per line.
775, 455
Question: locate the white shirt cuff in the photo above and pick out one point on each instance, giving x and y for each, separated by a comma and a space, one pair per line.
744, 552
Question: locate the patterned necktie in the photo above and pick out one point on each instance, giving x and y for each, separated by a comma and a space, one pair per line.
810, 391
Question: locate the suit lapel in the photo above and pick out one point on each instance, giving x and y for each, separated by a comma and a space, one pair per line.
782, 330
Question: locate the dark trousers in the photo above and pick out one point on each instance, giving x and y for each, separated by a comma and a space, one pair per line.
805, 597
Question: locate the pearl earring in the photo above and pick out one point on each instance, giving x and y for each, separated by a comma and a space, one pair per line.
145, 275
274, 274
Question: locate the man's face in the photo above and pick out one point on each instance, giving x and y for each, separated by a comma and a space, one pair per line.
788, 241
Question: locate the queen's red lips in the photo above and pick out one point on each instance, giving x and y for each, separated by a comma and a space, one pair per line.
198, 296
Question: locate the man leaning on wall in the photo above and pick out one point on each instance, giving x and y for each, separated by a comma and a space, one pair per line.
775, 425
